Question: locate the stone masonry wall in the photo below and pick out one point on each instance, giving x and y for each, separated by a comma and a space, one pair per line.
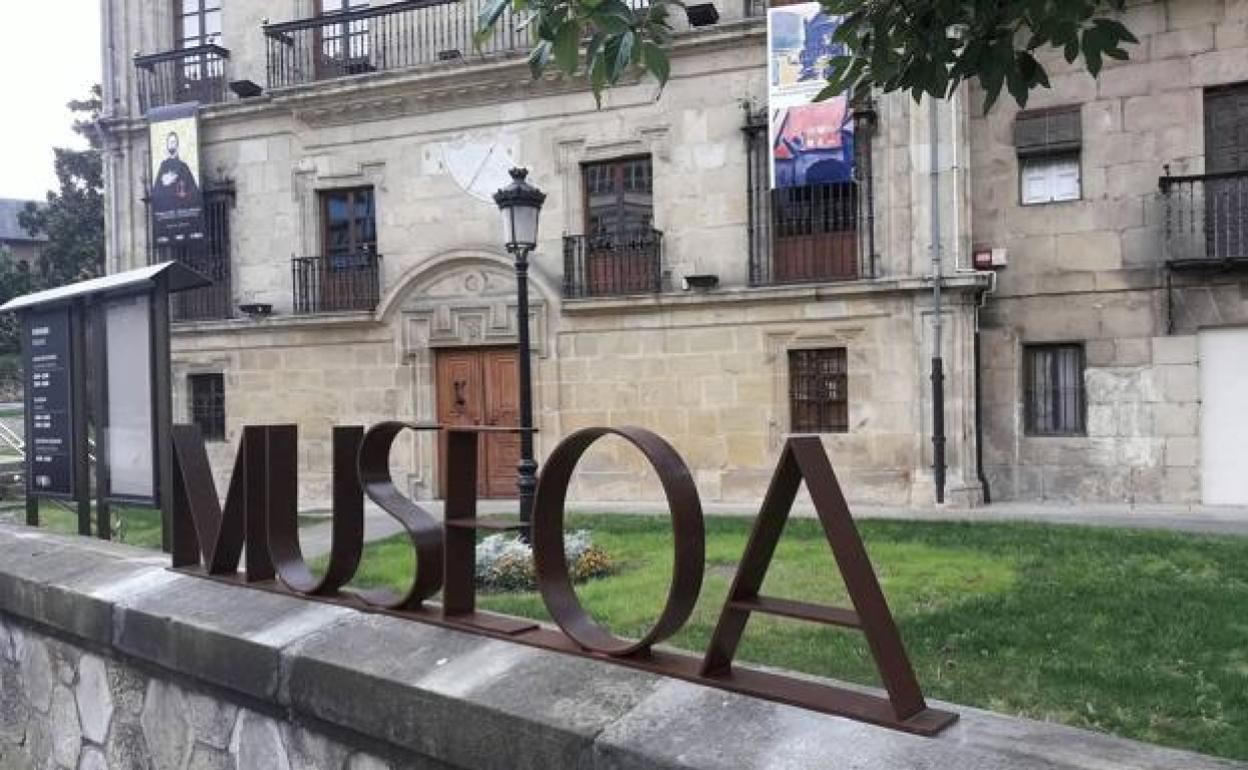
110, 661
66, 708
1092, 271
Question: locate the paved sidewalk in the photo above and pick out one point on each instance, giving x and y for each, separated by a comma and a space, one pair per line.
1218, 520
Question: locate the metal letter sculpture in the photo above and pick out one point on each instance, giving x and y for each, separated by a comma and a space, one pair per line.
260, 513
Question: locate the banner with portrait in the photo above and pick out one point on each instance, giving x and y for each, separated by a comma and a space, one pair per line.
811, 142
175, 199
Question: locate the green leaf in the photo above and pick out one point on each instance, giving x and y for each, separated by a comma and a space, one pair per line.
539, 57
1117, 29
488, 16
567, 47
1092, 56
656, 62
1072, 51
611, 24
597, 71
624, 54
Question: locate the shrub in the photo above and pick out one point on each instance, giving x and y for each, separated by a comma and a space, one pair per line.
505, 562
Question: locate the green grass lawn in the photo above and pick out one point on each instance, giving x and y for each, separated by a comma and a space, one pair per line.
140, 526
1141, 634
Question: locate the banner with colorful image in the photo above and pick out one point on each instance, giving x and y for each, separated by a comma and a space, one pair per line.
811, 142
175, 200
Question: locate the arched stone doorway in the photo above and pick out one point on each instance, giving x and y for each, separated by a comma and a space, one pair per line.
455, 318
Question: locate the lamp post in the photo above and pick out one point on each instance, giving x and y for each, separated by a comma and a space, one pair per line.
521, 204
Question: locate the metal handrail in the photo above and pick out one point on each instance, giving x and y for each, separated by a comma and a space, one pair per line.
1167, 181
147, 61
10, 437
17, 443
278, 30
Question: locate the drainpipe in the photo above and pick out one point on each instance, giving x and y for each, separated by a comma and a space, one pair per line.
979, 419
938, 374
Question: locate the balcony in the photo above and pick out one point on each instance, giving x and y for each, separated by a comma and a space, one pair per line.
336, 284
407, 34
1206, 220
387, 37
209, 256
613, 264
812, 233
185, 75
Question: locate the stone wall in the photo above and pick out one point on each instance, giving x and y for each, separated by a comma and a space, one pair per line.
67, 707
109, 661
707, 369
714, 380
1092, 270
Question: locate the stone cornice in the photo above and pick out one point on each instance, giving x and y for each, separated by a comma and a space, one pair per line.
958, 284
275, 323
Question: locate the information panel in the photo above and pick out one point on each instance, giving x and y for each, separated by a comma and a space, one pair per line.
131, 468
49, 365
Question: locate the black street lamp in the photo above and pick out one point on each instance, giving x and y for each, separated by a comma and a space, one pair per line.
521, 205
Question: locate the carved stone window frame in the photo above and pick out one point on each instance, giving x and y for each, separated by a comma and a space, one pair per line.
777, 344
572, 152
310, 181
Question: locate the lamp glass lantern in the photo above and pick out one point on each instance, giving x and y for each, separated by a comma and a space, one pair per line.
521, 205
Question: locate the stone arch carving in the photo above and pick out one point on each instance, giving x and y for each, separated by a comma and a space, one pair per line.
464, 298
461, 298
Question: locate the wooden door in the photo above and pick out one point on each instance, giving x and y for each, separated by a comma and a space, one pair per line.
480, 386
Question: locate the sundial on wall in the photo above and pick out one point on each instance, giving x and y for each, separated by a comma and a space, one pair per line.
479, 165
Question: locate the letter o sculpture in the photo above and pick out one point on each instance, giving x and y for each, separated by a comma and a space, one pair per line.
555, 581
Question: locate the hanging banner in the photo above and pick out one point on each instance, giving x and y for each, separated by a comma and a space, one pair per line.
176, 201
811, 142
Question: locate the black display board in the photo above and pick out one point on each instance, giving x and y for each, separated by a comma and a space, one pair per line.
47, 352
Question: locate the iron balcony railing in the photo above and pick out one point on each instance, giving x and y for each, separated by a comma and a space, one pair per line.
336, 283
810, 233
184, 75
613, 264
209, 256
386, 37
405, 34
1205, 218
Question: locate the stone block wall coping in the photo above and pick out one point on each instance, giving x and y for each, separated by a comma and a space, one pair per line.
471, 702
958, 282
274, 322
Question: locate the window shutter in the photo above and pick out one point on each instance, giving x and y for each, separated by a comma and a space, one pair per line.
1049, 131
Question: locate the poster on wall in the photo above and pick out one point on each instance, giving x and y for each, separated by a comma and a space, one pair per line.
811, 142
131, 416
175, 199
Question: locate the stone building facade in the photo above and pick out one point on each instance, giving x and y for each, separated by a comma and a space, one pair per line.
415, 320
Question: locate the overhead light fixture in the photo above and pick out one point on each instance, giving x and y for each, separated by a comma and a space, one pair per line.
702, 282
702, 14
244, 89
